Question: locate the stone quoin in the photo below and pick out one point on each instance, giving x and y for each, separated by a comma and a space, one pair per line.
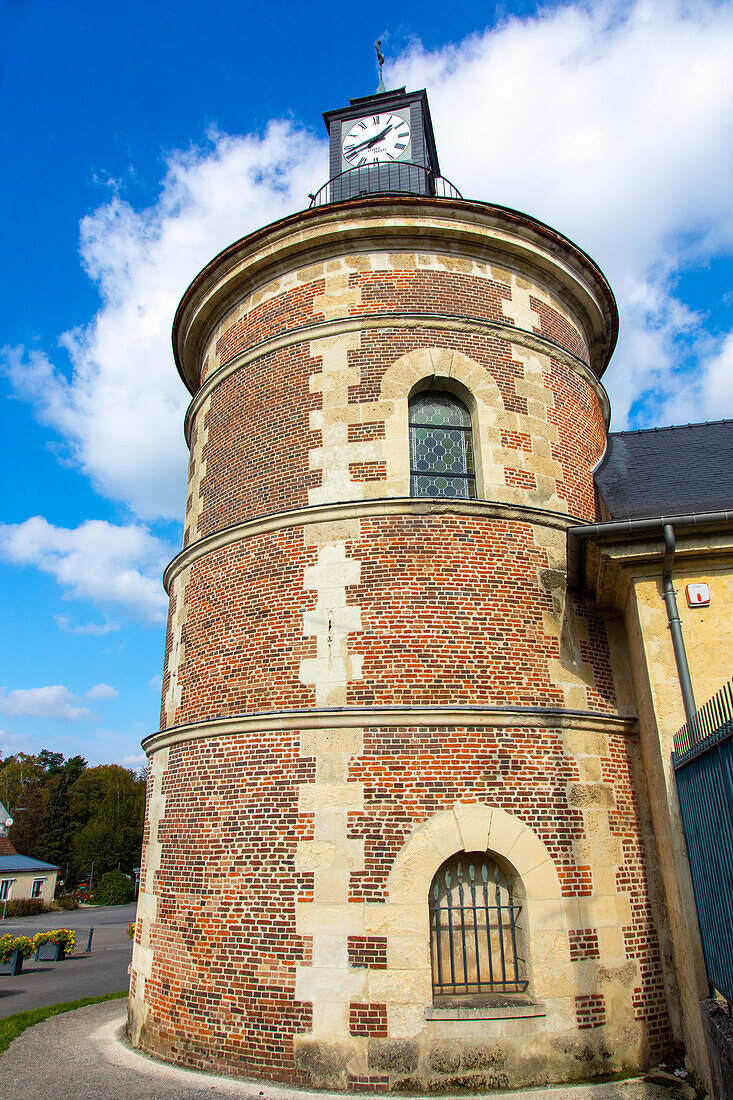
367, 688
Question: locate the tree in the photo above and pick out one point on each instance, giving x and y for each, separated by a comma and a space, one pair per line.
21, 791
55, 838
64, 810
73, 768
107, 806
51, 762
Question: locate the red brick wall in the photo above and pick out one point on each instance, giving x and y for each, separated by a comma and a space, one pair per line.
258, 440
408, 290
222, 990
451, 612
278, 314
259, 431
590, 1010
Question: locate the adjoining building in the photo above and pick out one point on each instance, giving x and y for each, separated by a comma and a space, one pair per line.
21, 877
411, 820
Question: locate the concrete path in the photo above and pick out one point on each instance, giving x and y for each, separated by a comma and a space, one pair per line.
83, 1053
81, 975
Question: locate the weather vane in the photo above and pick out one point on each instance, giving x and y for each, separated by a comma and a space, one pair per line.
380, 62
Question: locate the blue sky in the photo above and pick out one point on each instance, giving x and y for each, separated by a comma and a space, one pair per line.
142, 139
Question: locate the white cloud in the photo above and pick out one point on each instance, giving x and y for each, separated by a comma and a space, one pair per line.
11, 743
109, 564
708, 394
135, 761
155, 682
102, 691
97, 629
122, 410
612, 122
55, 702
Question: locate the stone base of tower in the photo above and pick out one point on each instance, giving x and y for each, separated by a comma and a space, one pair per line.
285, 930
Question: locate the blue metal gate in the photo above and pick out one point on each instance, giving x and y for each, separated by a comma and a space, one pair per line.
703, 767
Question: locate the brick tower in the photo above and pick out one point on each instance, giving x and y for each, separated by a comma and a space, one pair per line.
395, 834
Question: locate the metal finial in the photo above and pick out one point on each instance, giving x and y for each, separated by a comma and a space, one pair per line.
380, 62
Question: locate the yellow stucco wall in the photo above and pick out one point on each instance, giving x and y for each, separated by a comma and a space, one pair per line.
708, 635
22, 884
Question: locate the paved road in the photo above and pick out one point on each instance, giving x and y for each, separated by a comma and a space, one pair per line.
84, 1054
81, 975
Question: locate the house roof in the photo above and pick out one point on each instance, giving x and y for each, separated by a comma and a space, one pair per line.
24, 863
668, 471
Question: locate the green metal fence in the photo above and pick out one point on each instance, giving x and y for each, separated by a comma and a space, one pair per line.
703, 767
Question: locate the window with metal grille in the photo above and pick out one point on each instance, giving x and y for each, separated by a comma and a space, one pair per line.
441, 453
475, 928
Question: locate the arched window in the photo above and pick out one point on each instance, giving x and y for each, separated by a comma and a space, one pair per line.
476, 928
441, 454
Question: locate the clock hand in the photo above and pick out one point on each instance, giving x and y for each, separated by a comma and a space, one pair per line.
379, 137
369, 141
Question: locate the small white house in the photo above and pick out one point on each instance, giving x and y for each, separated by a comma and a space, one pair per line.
20, 876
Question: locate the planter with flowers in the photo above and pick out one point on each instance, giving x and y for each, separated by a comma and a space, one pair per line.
55, 945
13, 950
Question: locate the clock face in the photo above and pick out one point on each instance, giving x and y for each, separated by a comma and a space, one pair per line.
376, 138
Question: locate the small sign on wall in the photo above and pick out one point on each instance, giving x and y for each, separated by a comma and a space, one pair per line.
698, 595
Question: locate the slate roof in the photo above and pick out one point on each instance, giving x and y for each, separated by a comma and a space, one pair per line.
24, 863
668, 471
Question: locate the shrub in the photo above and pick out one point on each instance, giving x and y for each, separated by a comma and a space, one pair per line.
66, 901
114, 889
26, 907
131, 930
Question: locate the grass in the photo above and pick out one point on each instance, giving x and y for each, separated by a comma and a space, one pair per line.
11, 1026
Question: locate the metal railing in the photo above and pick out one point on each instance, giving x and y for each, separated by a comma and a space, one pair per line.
391, 178
474, 930
703, 767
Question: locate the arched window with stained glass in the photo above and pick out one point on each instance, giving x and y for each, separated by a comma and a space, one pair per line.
441, 448
476, 928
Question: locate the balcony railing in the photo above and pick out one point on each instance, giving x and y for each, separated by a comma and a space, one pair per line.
392, 178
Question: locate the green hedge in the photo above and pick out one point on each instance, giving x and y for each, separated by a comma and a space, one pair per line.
114, 889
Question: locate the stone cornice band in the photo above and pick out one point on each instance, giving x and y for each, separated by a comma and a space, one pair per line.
319, 330
395, 717
361, 509
393, 224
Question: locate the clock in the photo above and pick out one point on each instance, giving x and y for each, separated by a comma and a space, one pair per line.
375, 139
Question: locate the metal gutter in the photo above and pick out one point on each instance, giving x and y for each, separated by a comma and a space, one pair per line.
618, 528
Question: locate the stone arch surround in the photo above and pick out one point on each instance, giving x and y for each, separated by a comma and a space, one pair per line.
483, 828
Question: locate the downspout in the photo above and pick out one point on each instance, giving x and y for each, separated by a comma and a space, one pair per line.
675, 624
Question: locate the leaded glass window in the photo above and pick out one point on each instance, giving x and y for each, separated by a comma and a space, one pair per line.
441, 454
476, 934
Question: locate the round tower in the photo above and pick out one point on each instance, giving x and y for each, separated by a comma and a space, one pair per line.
393, 838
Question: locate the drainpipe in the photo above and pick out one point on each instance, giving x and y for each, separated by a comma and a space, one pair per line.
675, 625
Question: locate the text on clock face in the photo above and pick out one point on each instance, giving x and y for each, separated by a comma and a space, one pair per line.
376, 138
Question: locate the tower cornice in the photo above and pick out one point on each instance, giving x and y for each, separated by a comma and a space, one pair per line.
460, 227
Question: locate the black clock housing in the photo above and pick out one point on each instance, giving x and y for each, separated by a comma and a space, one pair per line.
413, 173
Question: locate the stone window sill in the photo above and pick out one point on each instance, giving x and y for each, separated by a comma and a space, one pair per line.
499, 1010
